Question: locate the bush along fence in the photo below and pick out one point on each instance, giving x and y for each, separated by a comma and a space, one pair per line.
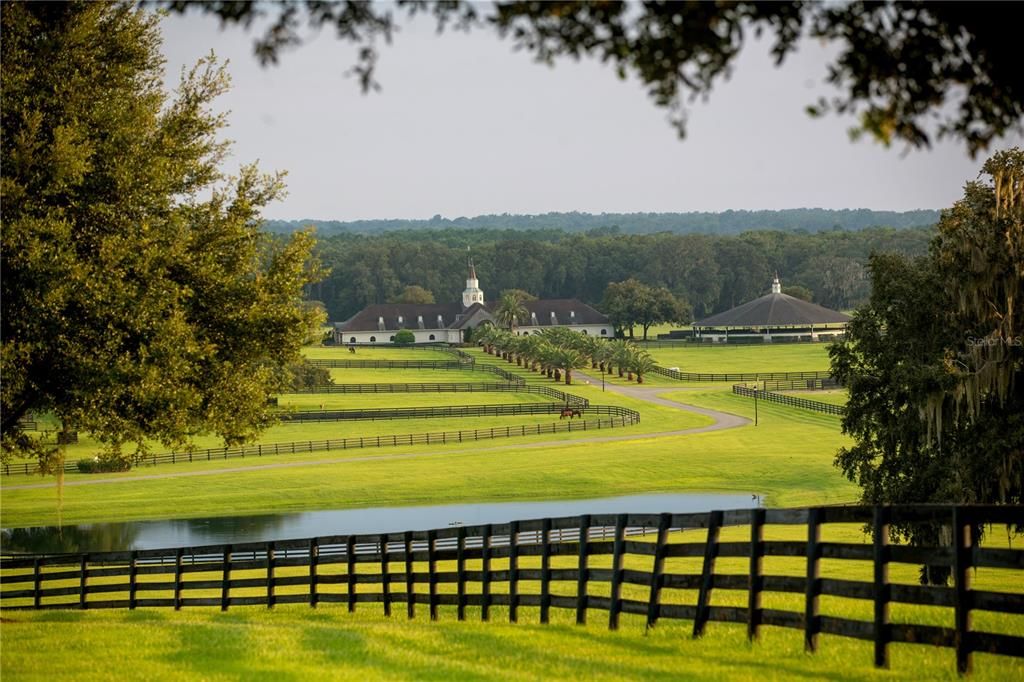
486, 566
742, 376
790, 400
547, 391
608, 417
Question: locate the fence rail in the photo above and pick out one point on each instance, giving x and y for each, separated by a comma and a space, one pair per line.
464, 387
389, 364
742, 376
554, 553
792, 401
609, 416
801, 384
433, 412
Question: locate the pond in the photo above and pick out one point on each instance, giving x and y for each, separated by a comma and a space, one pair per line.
100, 537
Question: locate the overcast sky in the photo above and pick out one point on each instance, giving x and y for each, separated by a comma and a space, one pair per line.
466, 126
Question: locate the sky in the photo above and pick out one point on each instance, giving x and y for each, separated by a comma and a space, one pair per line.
464, 125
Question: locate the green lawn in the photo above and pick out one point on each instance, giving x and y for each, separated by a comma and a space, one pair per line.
359, 375
833, 397
782, 357
788, 458
375, 353
297, 643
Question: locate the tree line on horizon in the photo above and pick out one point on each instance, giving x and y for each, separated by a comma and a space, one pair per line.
709, 273
693, 222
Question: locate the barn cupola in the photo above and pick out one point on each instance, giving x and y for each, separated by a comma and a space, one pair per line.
473, 293
776, 286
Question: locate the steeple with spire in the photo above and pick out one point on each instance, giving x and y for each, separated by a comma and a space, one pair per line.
472, 293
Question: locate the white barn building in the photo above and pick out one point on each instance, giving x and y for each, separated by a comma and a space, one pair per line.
448, 322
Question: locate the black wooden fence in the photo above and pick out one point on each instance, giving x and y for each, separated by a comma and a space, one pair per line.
608, 417
431, 412
792, 401
801, 384
741, 376
389, 364
484, 566
464, 387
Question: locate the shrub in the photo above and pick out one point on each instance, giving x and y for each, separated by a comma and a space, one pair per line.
404, 337
101, 465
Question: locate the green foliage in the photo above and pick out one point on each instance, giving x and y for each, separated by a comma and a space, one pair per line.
936, 402
510, 310
631, 302
404, 337
910, 72
140, 299
712, 274
413, 293
103, 465
303, 375
797, 291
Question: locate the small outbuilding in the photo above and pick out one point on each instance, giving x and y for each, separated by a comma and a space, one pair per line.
773, 317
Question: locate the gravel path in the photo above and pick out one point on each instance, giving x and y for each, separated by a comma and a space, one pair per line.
723, 420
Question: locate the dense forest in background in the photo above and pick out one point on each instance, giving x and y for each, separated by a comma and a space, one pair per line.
725, 223
713, 273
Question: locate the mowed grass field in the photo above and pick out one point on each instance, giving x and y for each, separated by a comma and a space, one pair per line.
781, 357
787, 458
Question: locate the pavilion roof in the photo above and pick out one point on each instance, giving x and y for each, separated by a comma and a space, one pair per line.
774, 310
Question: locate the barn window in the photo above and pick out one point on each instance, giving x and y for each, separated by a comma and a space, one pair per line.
431, 337
391, 339
351, 339
373, 339
604, 332
584, 332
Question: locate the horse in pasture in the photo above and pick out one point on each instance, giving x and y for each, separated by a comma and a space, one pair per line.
570, 412
352, 349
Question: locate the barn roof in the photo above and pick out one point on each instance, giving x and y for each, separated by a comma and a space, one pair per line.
774, 310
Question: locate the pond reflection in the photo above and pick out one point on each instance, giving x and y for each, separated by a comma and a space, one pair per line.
98, 537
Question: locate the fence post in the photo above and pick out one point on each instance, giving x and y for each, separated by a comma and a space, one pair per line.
83, 571
707, 574
617, 559
485, 578
513, 572
756, 580
962, 561
545, 571
37, 583
225, 581
432, 571
880, 523
410, 591
582, 573
813, 587
385, 576
460, 567
178, 578
350, 568
133, 574
314, 578
658, 570
271, 560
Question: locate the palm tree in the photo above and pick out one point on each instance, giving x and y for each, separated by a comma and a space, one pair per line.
621, 353
510, 310
604, 355
642, 363
570, 359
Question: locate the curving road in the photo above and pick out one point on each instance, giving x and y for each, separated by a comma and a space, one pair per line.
722, 420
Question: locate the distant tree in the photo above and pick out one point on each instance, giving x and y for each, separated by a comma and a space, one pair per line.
523, 296
909, 72
404, 337
413, 293
631, 302
303, 375
510, 310
797, 291
140, 300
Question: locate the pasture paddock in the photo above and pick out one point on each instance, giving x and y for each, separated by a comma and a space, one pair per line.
726, 358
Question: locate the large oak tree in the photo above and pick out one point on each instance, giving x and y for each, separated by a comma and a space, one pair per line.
140, 300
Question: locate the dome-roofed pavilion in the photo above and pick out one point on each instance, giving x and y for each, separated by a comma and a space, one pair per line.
775, 316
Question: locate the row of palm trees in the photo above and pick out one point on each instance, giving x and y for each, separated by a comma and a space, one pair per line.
559, 351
